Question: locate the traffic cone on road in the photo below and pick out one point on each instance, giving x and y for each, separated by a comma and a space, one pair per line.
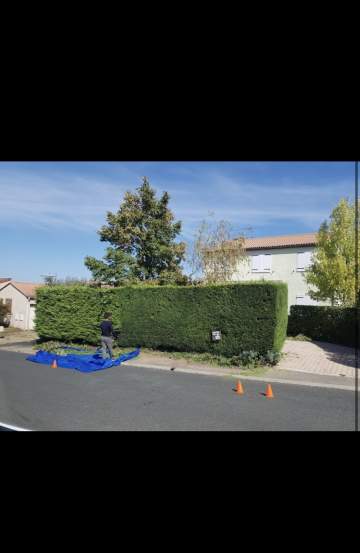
54, 364
269, 392
239, 388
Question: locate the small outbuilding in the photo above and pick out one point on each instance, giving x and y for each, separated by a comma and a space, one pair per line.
20, 297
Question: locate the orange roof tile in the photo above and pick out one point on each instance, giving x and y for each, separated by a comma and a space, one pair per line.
287, 241
4, 283
26, 288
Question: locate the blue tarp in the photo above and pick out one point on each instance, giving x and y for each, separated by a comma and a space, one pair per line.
83, 363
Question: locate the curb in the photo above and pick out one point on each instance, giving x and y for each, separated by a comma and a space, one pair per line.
237, 375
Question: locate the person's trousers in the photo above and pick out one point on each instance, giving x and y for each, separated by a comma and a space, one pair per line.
106, 345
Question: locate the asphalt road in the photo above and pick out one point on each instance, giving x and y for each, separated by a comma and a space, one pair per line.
37, 397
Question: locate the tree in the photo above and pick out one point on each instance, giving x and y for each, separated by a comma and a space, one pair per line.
71, 281
215, 256
142, 241
332, 271
3, 311
116, 268
52, 280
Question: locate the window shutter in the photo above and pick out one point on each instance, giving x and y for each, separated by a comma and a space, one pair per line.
307, 259
267, 262
301, 261
256, 263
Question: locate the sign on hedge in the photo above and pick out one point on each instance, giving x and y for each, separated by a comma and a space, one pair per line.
248, 316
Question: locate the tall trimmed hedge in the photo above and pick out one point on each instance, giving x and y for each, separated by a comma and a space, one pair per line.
250, 316
327, 324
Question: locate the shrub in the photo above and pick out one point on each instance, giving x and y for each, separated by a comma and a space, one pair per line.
255, 359
272, 358
4, 310
250, 316
328, 324
249, 358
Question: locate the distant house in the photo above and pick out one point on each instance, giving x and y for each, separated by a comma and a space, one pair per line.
20, 297
282, 258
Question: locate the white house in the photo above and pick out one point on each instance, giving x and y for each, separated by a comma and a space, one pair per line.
21, 300
282, 258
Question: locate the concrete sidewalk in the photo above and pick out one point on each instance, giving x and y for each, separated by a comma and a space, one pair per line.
304, 363
271, 374
20, 341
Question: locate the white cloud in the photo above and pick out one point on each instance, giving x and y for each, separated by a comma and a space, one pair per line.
60, 201
63, 199
246, 203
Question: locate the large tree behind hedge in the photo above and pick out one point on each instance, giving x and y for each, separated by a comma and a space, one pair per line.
142, 236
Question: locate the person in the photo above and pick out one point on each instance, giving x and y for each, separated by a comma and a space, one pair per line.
107, 333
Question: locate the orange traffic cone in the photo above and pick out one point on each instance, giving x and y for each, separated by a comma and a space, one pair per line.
54, 364
269, 392
239, 388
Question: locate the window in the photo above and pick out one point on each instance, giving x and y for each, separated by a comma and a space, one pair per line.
256, 263
8, 303
261, 263
267, 263
303, 260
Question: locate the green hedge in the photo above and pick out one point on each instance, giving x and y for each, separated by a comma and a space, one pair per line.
251, 316
335, 325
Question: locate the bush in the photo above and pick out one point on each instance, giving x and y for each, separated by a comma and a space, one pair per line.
4, 310
256, 359
250, 316
335, 325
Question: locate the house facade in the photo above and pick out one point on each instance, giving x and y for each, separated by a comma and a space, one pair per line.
281, 258
20, 297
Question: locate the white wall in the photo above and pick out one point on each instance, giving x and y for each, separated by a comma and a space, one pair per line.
32, 314
20, 307
284, 263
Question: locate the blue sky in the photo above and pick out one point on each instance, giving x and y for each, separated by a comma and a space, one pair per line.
50, 212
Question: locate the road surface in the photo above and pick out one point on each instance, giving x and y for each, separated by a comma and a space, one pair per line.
36, 397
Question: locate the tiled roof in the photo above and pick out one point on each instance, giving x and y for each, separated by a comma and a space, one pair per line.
287, 241
26, 288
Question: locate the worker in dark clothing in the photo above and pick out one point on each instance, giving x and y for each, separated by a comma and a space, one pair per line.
107, 333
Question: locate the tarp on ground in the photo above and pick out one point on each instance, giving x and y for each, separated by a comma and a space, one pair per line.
83, 363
